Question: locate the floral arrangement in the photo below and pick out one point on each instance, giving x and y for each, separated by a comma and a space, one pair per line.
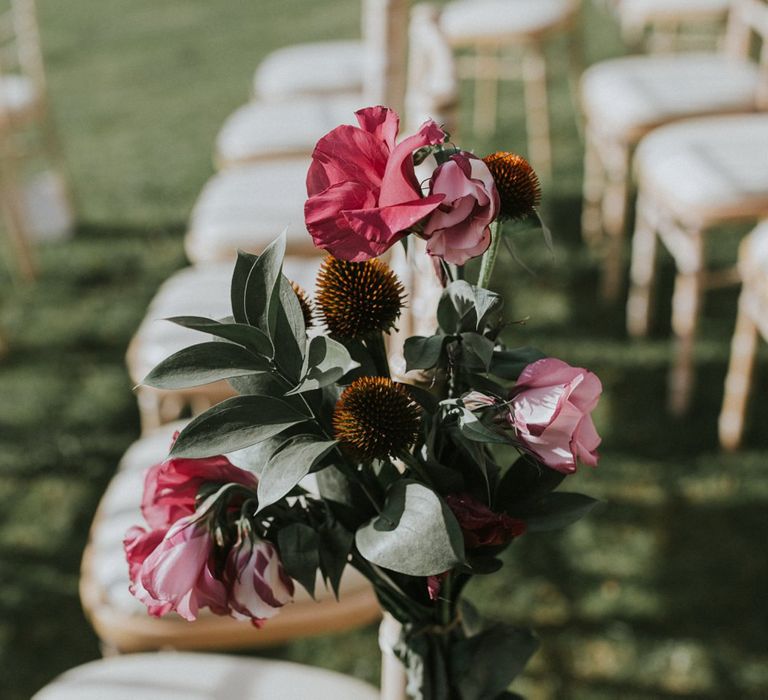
410, 486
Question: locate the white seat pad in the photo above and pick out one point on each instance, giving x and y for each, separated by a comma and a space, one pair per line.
119, 510
246, 208
468, 21
190, 676
648, 10
200, 290
638, 92
309, 69
712, 163
17, 94
265, 129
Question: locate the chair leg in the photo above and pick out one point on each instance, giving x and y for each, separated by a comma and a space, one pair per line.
486, 77
11, 202
594, 182
642, 270
537, 109
686, 308
738, 381
614, 215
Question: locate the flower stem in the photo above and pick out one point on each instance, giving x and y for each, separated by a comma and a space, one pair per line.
489, 257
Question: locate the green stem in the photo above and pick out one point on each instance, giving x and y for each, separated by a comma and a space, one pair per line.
489, 257
378, 351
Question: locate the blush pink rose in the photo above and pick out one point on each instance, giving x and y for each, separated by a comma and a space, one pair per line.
459, 229
177, 574
480, 526
138, 545
170, 488
258, 584
550, 409
362, 188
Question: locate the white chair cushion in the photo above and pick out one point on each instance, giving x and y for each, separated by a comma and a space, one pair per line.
645, 11
246, 208
190, 676
470, 21
17, 94
267, 129
200, 290
713, 164
633, 93
325, 67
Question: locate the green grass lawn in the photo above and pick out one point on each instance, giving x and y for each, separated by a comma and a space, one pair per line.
660, 594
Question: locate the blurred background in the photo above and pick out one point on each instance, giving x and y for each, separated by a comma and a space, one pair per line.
659, 594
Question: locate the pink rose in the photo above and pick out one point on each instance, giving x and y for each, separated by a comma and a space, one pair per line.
362, 188
177, 574
480, 526
550, 410
258, 585
139, 544
170, 488
459, 228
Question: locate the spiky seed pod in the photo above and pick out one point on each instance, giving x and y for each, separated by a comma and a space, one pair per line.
307, 307
376, 418
358, 299
517, 183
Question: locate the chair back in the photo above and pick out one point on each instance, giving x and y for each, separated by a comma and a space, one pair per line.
20, 51
433, 88
747, 21
385, 24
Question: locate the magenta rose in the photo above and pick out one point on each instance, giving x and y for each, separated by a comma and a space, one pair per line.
258, 585
362, 188
480, 526
170, 488
177, 574
550, 409
459, 229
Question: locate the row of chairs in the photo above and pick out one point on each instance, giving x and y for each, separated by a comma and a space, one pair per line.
244, 205
693, 131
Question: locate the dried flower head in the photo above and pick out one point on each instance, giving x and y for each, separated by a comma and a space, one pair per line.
358, 299
376, 418
307, 308
517, 183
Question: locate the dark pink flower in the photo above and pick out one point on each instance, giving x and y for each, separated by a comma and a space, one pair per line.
258, 585
170, 488
459, 229
550, 409
480, 525
362, 188
177, 573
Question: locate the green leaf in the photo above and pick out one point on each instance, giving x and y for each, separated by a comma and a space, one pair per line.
555, 511
416, 533
335, 545
298, 544
204, 363
248, 336
263, 384
484, 665
464, 307
236, 423
525, 481
243, 265
262, 287
424, 352
508, 364
290, 333
473, 429
476, 352
326, 362
289, 464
